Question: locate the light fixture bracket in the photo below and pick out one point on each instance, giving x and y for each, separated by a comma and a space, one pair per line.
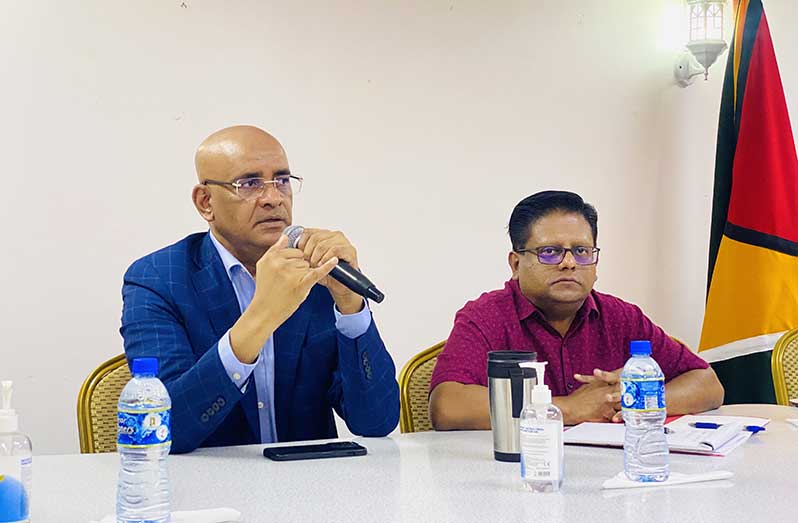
686, 68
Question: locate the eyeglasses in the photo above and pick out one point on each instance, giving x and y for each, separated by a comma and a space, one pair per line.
552, 255
254, 188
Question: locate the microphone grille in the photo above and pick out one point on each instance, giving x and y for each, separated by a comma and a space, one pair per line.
294, 232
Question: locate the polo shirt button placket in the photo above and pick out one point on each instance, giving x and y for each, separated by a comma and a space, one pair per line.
570, 384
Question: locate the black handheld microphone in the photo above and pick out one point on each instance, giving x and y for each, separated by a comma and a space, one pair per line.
350, 277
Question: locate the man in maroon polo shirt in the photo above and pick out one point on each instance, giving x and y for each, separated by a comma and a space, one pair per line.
549, 307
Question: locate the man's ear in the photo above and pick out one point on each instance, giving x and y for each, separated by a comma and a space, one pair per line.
202, 201
514, 259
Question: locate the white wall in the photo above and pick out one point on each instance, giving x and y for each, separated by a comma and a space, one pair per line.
417, 125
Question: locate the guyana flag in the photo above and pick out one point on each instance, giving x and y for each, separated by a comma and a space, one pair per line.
752, 293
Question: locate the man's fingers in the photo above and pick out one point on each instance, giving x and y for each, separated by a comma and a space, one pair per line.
346, 254
282, 243
297, 263
315, 275
311, 238
336, 245
277, 257
615, 397
307, 233
607, 377
290, 253
323, 251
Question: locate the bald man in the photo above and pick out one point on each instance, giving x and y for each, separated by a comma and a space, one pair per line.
255, 342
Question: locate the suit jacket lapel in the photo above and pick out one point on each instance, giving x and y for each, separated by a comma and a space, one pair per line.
218, 298
214, 288
288, 342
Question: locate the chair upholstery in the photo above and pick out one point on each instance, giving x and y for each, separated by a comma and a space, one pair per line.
414, 390
97, 405
784, 364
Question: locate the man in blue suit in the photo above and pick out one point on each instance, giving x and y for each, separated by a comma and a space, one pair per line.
251, 349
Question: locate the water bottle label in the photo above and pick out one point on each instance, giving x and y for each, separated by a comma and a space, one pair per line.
540, 451
136, 429
643, 395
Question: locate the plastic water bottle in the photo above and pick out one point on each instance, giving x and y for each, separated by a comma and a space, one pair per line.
143, 439
645, 449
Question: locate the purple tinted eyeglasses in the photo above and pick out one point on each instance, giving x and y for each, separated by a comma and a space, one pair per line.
552, 255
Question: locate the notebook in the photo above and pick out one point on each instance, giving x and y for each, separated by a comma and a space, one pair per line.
681, 436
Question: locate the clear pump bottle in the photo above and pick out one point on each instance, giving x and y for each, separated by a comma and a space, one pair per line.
15, 462
541, 425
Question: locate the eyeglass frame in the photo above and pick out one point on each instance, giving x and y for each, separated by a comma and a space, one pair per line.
594, 250
237, 183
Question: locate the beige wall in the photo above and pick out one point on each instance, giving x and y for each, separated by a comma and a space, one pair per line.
417, 125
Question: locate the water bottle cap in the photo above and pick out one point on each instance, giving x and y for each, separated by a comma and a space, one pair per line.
144, 366
640, 348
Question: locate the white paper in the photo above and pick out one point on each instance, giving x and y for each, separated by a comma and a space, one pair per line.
601, 434
707, 440
685, 421
683, 437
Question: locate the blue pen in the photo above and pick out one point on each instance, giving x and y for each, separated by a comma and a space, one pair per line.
707, 425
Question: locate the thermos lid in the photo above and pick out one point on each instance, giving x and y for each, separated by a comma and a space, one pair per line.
501, 362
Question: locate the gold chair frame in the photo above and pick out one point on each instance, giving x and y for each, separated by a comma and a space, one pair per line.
86, 419
777, 365
406, 423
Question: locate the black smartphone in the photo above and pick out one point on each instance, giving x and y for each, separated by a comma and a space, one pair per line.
335, 449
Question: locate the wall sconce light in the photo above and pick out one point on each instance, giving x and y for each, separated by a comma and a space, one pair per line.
706, 40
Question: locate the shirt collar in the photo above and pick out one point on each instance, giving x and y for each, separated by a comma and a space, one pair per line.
526, 308
229, 261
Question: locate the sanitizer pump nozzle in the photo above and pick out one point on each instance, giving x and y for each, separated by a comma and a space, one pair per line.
541, 394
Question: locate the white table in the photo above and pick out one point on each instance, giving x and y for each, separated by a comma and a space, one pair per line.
439, 477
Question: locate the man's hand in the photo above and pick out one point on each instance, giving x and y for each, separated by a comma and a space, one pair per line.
318, 247
608, 377
283, 280
599, 399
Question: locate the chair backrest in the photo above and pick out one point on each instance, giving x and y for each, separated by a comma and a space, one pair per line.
414, 390
784, 364
97, 405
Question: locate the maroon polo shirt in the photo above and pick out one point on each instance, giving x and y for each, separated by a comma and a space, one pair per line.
598, 338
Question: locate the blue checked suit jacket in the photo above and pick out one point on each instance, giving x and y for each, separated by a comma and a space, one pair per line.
178, 303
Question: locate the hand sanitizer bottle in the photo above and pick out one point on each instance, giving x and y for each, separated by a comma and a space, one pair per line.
15, 462
542, 464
